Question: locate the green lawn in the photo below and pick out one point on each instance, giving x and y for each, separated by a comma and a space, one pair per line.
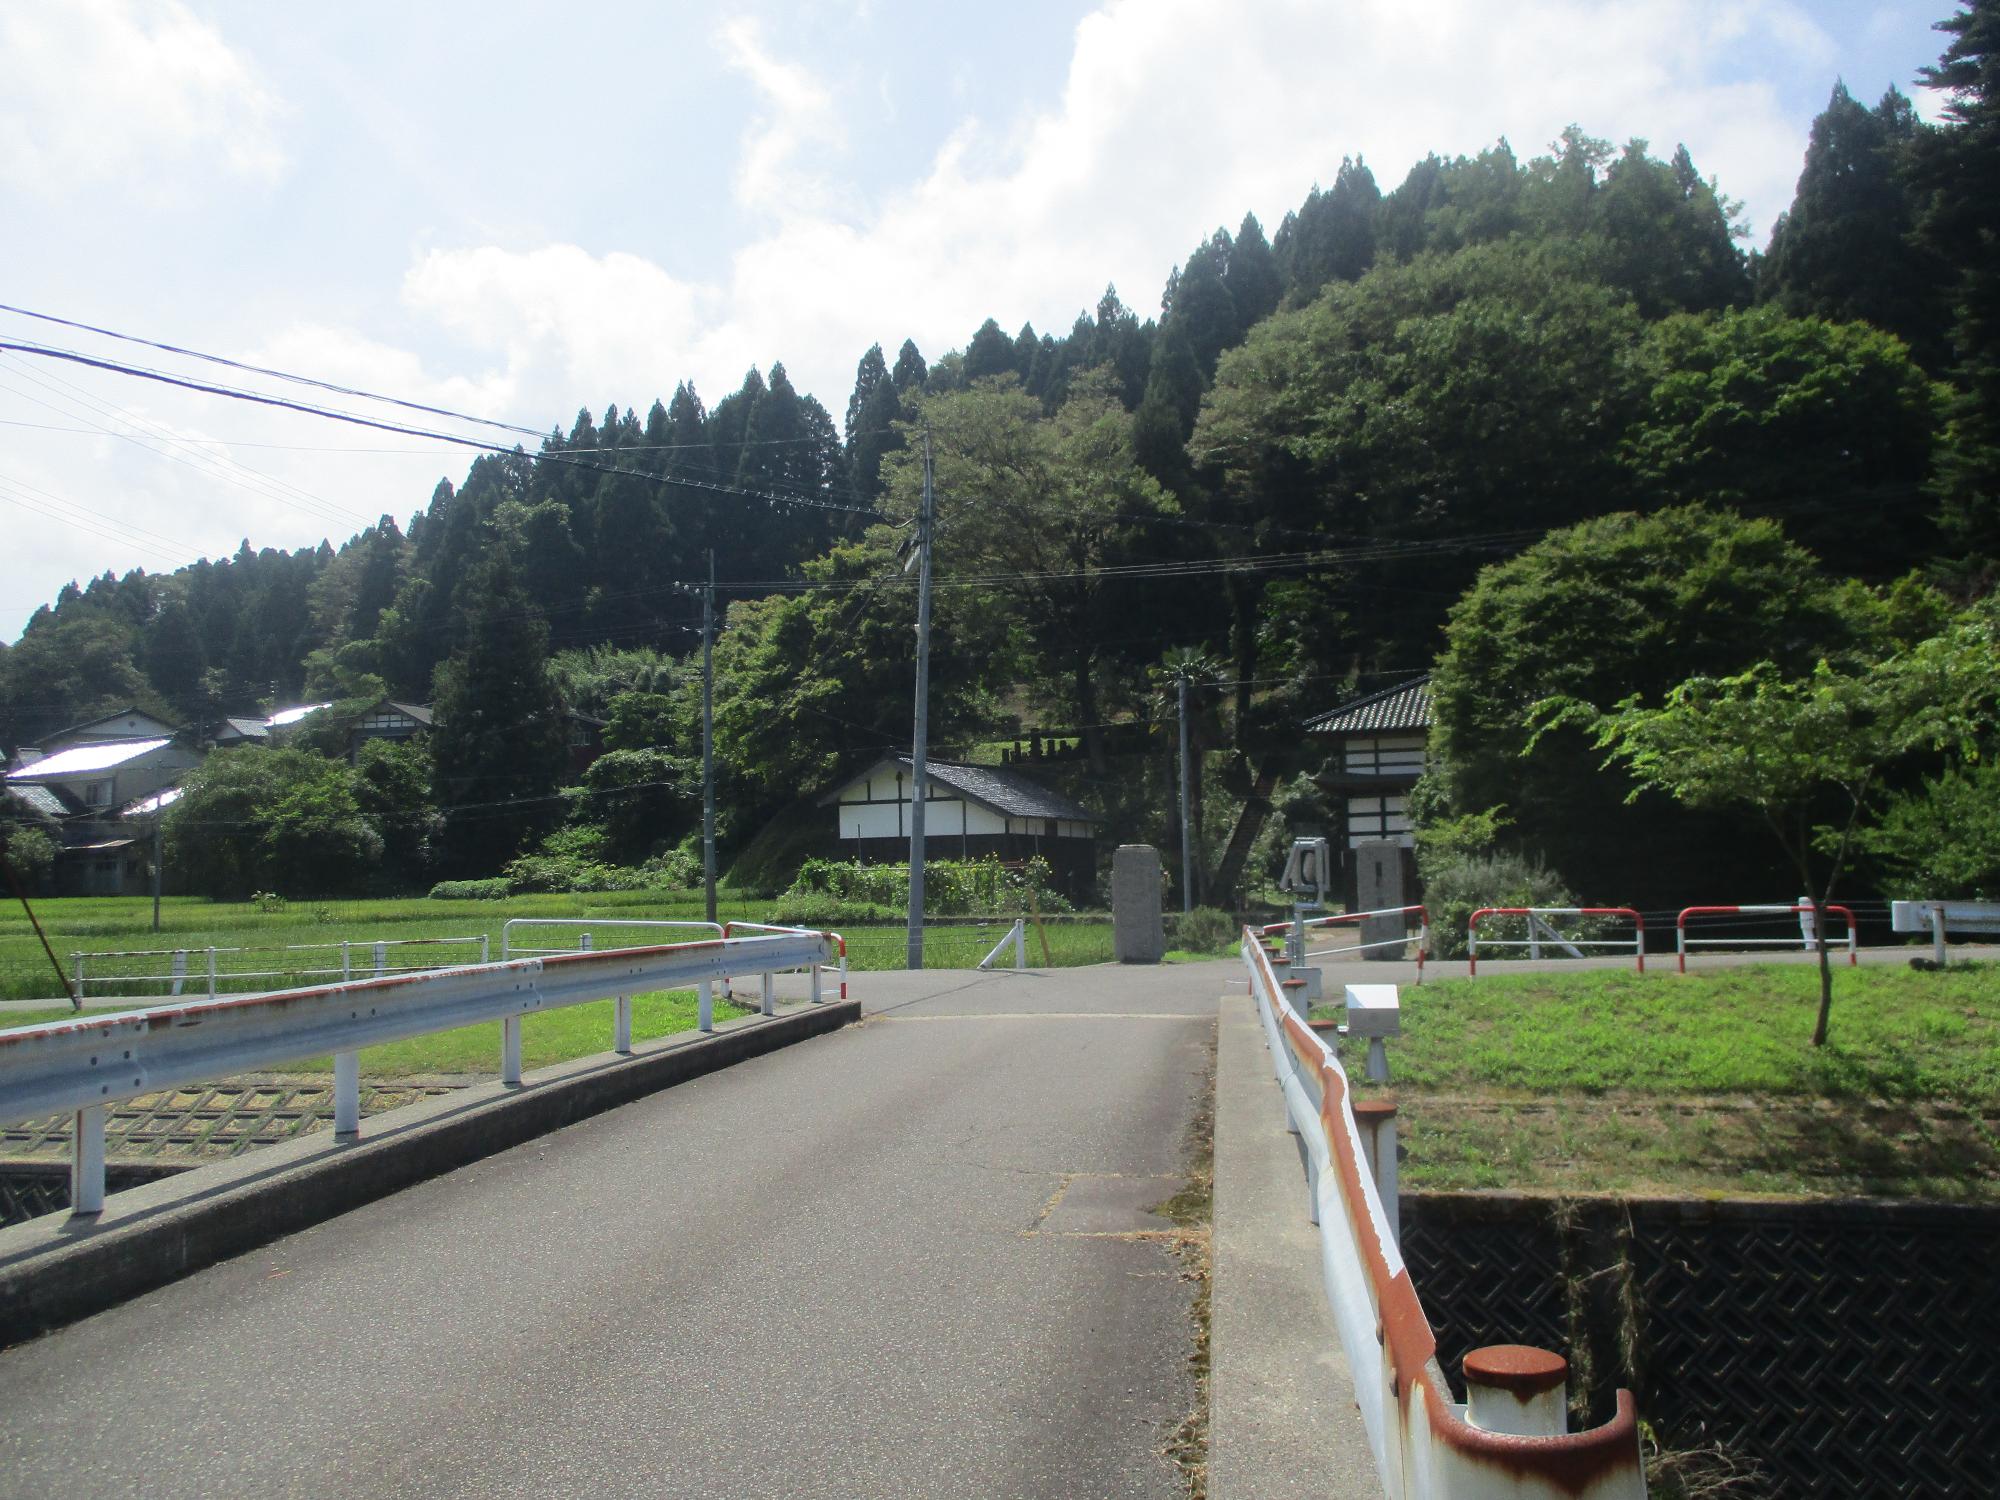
98, 924
1607, 1081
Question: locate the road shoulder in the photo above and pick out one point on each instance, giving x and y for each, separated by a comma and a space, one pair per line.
1282, 1419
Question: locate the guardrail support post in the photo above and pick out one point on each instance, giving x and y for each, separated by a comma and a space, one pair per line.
346, 960
770, 993
1938, 954
211, 973
815, 985
510, 1050
86, 1166
1020, 944
1376, 1120
76, 979
705, 1010
346, 1095
1517, 1390
381, 958
485, 947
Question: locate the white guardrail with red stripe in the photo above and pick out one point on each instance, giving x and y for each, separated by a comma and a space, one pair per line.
80, 1066
1509, 1438
1803, 910
1542, 935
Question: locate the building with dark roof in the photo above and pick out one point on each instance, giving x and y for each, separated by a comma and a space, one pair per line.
970, 812
1379, 747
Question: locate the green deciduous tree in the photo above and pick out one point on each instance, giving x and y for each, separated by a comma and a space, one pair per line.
1616, 606
254, 819
1040, 505
1826, 427
1791, 749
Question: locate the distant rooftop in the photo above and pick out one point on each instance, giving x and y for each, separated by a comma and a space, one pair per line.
79, 760
288, 716
1006, 792
145, 807
1402, 709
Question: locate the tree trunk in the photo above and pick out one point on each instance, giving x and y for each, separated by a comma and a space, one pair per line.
1082, 665
1250, 823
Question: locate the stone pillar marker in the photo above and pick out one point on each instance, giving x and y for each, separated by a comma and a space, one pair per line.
1137, 934
1378, 885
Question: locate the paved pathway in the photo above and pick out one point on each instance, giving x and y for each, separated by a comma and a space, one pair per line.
912, 1258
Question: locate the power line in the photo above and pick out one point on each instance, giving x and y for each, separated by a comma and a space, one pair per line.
306, 380
478, 444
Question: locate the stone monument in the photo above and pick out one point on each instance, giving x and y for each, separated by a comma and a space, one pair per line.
1137, 933
1378, 885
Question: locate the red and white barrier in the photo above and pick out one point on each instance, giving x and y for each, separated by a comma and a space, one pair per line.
1802, 909
1533, 941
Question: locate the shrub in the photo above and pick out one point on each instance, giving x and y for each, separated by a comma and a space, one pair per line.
267, 901
1203, 930
673, 870
952, 888
1457, 885
494, 888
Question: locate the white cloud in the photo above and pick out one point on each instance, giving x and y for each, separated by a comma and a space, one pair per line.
797, 118
569, 327
95, 90
1176, 117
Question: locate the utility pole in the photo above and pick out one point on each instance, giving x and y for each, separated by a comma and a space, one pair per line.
159, 817
918, 740
708, 737
1187, 835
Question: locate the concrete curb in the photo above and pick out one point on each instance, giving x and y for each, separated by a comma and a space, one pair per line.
1282, 1419
55, 1270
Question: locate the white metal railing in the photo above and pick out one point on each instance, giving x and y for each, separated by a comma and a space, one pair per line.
1017, 936
1509, 1437
81, 1066
175, 975
1296, 929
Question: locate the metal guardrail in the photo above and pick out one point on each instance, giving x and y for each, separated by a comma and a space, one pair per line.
1422, 914
1541, 933
1509, 1437
176, 976
80, 1066
1980, 918
1803, 910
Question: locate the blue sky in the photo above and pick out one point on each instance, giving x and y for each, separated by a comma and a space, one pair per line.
518, 209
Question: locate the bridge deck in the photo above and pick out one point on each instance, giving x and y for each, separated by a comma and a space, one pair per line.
912, 1258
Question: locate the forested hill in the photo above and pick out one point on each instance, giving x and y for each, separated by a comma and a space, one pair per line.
1326, 433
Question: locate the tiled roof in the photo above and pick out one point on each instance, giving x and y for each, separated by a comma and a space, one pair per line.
79, 760
1402, 709
43, 800
1006, 792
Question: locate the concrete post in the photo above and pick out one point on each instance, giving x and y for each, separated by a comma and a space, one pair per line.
1138, 935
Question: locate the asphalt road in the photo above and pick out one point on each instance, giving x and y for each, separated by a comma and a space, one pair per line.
912, 1258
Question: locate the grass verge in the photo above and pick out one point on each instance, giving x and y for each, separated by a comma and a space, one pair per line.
1705, 1083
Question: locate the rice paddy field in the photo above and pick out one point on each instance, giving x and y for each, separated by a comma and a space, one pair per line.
125, 960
